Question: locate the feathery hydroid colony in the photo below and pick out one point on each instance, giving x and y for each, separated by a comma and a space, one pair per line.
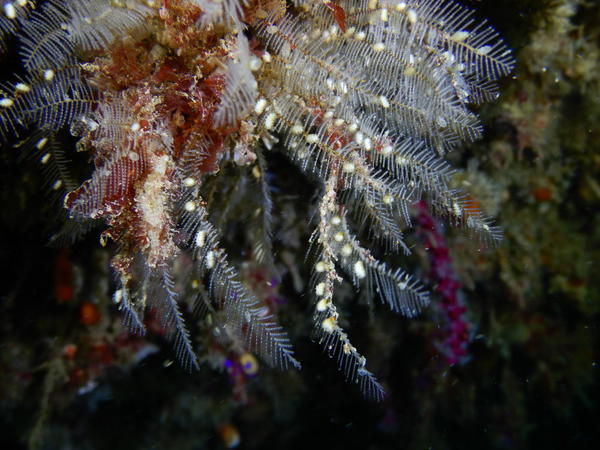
363, 96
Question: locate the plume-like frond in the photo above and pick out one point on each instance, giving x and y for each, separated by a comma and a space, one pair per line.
94, 24
220, 11
363, 96
327, 329
244, 314
239, 95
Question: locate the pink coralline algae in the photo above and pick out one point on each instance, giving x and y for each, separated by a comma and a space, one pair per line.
454, 337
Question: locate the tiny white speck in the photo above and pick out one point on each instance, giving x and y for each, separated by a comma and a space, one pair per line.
189, 182
384, 15
22, 87
379, 47
348, 167
484, 50
200, 238
41, 143
49, 75
10, 11
270, 120
320, 289
409, 71
6, 102
384, 101
296, 129
460, 36
135, 126
360, 36
323, 304
266, 57
312, 138
45, 158
189, 206
260, 106
57, 185
457, 209
359, 137
412, 16
367, 144
210, 260
328, 325
336, 220
346, 250
359, 270
254, 63
401, 160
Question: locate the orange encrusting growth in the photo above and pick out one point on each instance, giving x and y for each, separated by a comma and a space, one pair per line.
89, 314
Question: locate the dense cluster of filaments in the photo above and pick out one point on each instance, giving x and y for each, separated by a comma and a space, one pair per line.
364, 96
